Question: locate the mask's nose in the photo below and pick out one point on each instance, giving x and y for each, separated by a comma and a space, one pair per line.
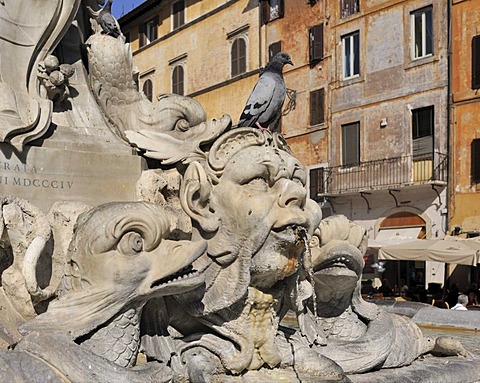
292, 194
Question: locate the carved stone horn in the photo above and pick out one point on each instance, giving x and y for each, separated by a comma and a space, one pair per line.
40, 231
29, 269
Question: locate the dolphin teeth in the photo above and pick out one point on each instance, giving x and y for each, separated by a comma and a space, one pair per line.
184, 273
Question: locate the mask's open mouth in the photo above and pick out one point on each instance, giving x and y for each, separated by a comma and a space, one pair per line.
339, 264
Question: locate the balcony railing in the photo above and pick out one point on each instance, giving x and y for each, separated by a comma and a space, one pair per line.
380, 174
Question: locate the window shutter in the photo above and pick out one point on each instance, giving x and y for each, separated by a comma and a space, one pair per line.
316, 43
314, 183
317, 107
476, 160
476, 62
242, 56
148, 89
264, 11
155, 23
141, 34
351, 144
234, 63
273, 49
281, 8
178, 80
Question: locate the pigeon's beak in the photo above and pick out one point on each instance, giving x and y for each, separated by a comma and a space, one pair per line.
290, 62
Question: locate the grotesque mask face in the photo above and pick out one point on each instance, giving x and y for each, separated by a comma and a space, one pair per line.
255, 214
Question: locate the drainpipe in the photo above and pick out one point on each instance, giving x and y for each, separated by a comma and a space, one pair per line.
450, 150
450, 141
260, 34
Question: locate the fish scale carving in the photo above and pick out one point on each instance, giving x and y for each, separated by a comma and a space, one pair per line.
119, 341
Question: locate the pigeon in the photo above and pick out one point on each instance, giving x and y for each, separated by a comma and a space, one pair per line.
264, 104
108, 23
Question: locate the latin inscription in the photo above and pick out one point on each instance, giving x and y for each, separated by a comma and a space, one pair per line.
33, 178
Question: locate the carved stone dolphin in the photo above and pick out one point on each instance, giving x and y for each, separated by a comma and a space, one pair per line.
117, 260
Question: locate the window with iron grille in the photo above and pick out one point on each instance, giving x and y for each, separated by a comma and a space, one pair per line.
351, 55
271, 10
148, 89
422, 131
178, 13
476, 62
349, 7
273, 49
148, 31
178, 80
476, 160
316, 43
422, 32
317, 101
351, 144
239, 57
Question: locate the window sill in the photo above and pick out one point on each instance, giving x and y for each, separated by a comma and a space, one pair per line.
414, 63
315, 127
351, 80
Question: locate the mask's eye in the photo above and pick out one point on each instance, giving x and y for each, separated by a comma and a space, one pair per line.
259, 183
130, 244
298, 181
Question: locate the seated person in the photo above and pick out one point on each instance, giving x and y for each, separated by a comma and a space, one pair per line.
462, 303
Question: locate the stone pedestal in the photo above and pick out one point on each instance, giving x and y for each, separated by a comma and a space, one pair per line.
46, 175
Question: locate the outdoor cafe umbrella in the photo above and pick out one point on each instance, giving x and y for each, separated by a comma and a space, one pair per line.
448, 250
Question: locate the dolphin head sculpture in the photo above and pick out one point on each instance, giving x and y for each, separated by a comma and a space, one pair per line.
118, 259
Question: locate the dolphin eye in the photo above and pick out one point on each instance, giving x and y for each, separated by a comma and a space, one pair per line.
130, 244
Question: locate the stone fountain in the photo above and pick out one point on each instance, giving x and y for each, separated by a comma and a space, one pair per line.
182, 281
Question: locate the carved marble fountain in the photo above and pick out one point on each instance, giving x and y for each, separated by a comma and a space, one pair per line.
182, 281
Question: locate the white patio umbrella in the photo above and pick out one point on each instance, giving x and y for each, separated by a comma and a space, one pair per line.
449, 250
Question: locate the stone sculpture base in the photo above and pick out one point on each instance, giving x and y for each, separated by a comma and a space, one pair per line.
45, 175
428, 370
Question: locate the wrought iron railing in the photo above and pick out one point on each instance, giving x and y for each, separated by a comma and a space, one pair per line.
387, 173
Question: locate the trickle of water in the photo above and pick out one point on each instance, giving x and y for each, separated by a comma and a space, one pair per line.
302, 234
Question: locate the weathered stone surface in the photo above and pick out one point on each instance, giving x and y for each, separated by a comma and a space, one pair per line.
199, 274
44, 176
429, 370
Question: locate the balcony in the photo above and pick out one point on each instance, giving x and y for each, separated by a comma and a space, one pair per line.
389, 173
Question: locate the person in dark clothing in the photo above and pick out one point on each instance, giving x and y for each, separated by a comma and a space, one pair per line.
385, 288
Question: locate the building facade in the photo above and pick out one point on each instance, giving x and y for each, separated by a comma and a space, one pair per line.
205, 49
367, 109
464, 206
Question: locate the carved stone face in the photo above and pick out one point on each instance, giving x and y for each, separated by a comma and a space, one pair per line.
251, 217
261, 202
337, 248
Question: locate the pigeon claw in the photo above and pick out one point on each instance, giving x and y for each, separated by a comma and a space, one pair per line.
260, 126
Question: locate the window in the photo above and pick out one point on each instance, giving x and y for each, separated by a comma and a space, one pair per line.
178, 80
148, 31
316, 43
351, 144
178, 14
317, 107
148, 89
271, 10
349, 7
476, 62
422, 33
422, 133
239, 57
351, 55
273, 49
317, 182
476, 160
